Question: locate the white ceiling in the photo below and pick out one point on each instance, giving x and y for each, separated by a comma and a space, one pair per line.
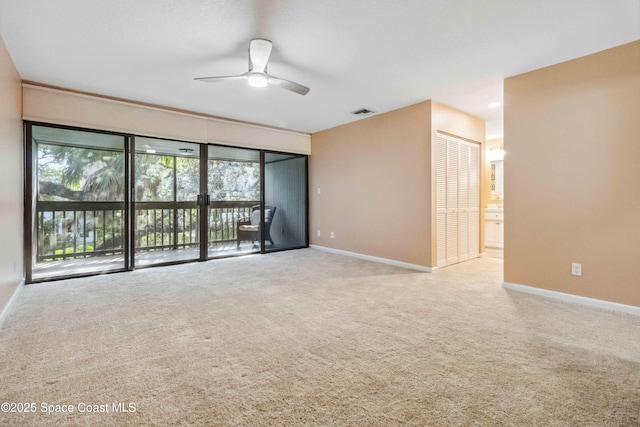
376, 54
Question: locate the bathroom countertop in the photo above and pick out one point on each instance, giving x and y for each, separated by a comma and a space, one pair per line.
494, 210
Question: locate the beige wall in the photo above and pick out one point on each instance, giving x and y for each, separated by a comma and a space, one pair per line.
457, 123
50, 105
374, 175
572, 134
376, 181
11, 229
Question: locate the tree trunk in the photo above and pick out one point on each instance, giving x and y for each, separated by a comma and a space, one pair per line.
59, 190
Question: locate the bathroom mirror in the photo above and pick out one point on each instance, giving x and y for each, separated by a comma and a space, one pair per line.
497, 180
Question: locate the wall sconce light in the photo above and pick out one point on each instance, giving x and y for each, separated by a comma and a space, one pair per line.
496, 153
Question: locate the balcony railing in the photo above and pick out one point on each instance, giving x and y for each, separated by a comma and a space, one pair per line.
72, 230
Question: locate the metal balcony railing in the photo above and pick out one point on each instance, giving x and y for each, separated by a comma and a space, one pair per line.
75, 230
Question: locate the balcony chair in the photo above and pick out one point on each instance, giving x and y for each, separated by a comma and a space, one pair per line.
249, 227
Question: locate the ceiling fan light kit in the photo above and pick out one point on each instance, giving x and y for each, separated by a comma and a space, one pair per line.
257, 80
257, 76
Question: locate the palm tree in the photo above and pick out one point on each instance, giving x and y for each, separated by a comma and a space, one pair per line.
87, 174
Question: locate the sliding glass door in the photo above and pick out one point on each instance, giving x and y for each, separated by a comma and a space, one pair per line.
166, 189
77, 212
98, 202
233, 176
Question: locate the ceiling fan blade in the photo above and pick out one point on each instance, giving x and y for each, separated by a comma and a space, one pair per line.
220, 78
288, 85
259, 53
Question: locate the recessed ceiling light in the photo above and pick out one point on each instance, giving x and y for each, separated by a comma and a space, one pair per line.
494, 105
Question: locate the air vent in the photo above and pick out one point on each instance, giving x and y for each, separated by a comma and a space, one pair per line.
362, 112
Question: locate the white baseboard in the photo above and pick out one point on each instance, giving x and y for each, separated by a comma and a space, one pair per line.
14, 297
375, 259
574, 299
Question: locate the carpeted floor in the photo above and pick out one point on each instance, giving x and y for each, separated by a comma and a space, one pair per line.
312, 338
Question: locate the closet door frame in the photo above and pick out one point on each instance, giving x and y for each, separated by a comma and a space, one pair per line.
450, 169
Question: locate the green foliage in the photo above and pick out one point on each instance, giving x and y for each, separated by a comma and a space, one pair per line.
88, 248
234, 181
154, 177
89, 174
75, 173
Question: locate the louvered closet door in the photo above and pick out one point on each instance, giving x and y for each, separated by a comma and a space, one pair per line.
452, 201
474, 200
441, 200
463, 201
457, 200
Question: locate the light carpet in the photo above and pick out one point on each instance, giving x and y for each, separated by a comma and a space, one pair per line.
312, 338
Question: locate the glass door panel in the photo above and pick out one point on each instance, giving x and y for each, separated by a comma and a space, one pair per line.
78, 212
188, 202
285, 194
167, 184
233, 176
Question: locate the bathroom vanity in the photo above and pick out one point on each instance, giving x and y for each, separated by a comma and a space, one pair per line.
494, 227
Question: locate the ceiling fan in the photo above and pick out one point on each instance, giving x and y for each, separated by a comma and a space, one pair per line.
259, 53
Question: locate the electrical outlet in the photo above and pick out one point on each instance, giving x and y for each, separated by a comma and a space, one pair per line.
576, 269
318, 190
332, 235
318, 233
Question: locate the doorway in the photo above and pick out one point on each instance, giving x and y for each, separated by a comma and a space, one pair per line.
494, 209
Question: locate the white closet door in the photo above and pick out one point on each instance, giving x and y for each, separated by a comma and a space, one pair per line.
452, 201
441, 200
457, 200
474, 200
463, 201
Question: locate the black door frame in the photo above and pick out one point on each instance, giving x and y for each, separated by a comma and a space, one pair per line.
129, 201
29, 199
306, 201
